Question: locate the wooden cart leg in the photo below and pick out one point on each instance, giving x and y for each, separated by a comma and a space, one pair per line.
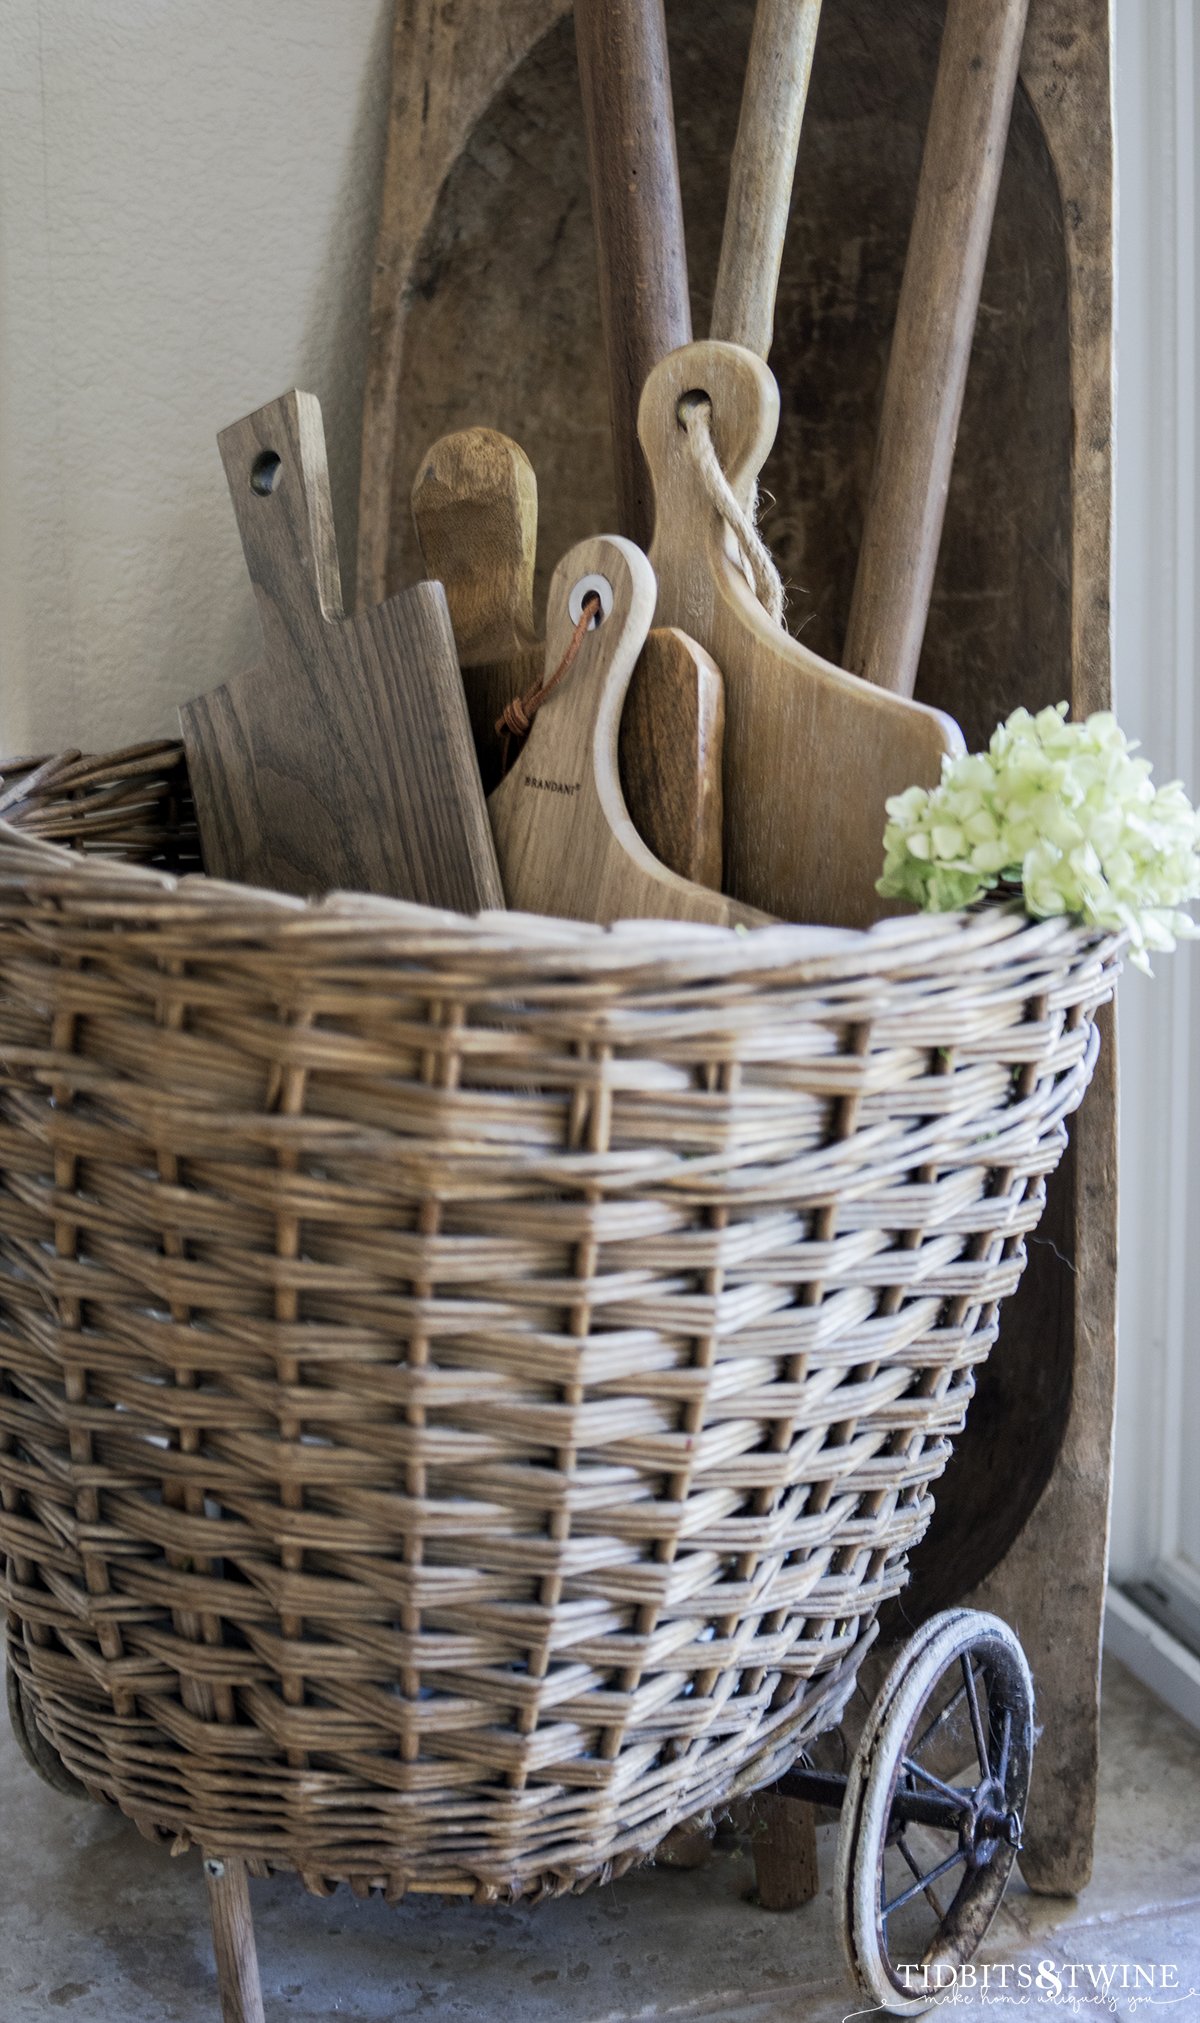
785, 1851
233, 1941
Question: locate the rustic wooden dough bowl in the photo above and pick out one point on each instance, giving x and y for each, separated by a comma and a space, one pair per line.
485, 310
466, 1388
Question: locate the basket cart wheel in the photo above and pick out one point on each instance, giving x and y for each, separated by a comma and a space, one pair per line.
41, 1755
934, 1807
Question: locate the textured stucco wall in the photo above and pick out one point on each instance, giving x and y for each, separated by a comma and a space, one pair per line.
187, 210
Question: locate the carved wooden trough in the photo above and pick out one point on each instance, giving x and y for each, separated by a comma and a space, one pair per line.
485, 310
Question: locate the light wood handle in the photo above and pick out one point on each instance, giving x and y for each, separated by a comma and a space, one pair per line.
279, 481
595, 688
638, 215
690, 534
931, 345
474, 504
762, 171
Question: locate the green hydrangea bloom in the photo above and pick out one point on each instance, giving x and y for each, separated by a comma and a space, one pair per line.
1065, 812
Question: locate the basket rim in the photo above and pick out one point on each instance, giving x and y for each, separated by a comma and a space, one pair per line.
111, 893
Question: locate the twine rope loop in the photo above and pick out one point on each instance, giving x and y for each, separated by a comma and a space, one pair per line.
758, 564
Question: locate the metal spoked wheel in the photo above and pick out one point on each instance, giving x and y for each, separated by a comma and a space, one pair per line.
41, 1755
934, 1806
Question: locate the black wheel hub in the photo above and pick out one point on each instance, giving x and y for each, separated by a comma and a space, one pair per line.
988, 1823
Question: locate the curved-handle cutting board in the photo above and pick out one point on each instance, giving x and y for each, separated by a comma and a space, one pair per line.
475, 507
564, 836
811, 753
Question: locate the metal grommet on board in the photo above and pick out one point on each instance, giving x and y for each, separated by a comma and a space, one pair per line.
587, 586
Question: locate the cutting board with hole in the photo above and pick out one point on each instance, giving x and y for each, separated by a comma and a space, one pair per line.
344, 759
475, 507
811, 752
563, 832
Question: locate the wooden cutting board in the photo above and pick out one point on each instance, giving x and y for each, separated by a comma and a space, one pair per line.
344, 758
811, 753
564, 837
475, 506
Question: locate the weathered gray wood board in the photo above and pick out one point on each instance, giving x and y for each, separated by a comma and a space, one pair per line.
343, 759
486, 304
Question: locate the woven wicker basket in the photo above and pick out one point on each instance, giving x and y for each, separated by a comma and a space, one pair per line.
467, 1387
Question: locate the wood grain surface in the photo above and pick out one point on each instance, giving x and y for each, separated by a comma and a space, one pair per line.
637, 210
931, 346
475, 507
784, 1841
446, 64
344, 759
238, 1986
564, 837
762, 170
811, 753
670, 754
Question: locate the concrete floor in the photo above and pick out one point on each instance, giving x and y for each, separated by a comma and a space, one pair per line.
97, 1926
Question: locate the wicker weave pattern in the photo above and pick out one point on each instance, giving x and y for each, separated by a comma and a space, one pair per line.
466, 1388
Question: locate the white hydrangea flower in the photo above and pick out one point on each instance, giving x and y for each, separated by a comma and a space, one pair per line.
1064, 811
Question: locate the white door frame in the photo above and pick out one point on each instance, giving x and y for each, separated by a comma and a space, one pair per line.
1156, 635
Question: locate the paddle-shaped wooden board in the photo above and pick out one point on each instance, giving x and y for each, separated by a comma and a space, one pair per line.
563, 833
344, 759
474, 503
811, 753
